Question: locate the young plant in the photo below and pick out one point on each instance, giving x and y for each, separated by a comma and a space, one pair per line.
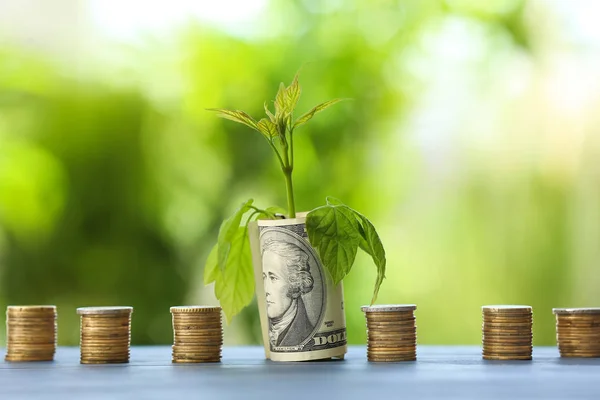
335, 230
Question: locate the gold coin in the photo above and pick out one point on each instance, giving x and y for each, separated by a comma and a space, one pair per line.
505, 346
412, 339
34, 327
506, 324
100, 341
401, 322
580, 356
196, 325
103, 361
377, 333
383, 308
31, 309
578, 311
508, 332
201, 357
382, 325
198, 342
192, 361
104, 356
393, 340
397, 321
106, 330
197, 357
32, 346
589, 338
403, 354
506, 308
525, 318
104, 322
591, 330
215, 332
499, 335
104, 311
196, 321
195, 309
387, 350
506, 358
576, 351
199, 316
505, 343
378, 349
196, 349
392, 359
390, 332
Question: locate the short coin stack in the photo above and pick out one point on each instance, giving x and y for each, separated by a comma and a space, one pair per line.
507, 332
197, 334
105, 334
391, 332
30, 333
578, 331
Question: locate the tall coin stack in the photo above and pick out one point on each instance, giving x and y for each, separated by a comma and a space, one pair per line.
197, 334
391, 332
105, 334
30, 333
578, 331
507, 332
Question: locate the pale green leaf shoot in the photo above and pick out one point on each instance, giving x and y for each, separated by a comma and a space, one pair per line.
237, 116
267, 128
304, 118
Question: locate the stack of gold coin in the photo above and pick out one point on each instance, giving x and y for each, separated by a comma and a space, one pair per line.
30, 333
578, 331
105, 334
197, 334
391, 332
507, 332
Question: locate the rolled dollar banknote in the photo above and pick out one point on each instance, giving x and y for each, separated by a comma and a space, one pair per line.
301, 311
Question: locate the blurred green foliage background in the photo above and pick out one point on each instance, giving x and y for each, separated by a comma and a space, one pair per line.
472, 144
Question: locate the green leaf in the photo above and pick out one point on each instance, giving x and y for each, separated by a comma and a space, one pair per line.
336, 231
280, 103
308, 115
292, 94
237, 116
234, 287
371, 244
227, 233
333, 231
269, 113
211, 268
267, 128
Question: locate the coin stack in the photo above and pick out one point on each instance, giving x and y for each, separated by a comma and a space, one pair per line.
507, 332
30, 333
197, 334
578, 331
105, 334
391, 332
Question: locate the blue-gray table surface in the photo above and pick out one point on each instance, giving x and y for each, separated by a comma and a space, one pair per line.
445, 372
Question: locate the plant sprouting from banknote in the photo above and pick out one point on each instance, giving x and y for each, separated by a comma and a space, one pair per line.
335, 230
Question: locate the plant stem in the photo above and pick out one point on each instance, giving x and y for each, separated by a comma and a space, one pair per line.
290, 192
